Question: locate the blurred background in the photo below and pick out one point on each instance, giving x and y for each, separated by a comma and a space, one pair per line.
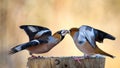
56, 15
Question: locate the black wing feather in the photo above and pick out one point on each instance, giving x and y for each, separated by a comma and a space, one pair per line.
100, 36
37, 29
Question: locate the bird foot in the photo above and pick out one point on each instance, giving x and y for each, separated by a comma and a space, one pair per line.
87, 57
32, 57
40, 57
78, 59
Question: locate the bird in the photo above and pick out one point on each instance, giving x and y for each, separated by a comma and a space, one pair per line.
40, 41
85, 38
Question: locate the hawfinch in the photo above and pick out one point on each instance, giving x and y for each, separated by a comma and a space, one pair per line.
41, 39
85, 39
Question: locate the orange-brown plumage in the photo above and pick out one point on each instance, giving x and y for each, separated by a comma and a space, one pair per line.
73, 30
57, 36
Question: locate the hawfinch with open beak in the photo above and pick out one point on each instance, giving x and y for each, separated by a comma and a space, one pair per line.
41, 39
85, 39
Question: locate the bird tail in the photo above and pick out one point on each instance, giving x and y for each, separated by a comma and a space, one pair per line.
108, 55
104, 53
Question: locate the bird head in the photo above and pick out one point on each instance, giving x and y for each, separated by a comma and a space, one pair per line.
61, 34
72, 31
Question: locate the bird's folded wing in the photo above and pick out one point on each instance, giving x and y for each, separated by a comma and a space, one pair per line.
90, 37
88, 34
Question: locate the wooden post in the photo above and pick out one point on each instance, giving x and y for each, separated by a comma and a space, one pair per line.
65, 62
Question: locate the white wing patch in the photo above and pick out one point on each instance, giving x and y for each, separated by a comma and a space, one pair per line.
86, 35
90, 35
42, 32
35, 41
32, 28
19, 48
81, 36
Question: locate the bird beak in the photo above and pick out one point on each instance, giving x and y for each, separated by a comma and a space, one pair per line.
67, 31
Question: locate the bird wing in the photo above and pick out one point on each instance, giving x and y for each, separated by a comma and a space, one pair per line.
88, 35
92, 35
26, 45
34, 31
101, 35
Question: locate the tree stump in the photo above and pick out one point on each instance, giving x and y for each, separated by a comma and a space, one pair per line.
65, 62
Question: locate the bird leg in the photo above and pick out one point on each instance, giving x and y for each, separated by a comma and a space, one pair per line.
86, 56
78, 59
32, 56
40, 57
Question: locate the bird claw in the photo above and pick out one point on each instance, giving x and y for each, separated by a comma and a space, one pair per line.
87, 57
32, 57
40, 57
78, 59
